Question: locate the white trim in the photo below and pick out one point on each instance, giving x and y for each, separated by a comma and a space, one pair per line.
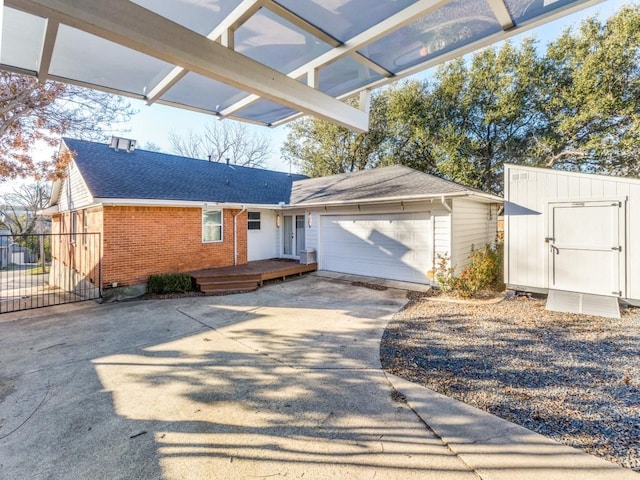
208, 210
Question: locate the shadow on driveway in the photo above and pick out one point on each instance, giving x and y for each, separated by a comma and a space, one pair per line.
284, 381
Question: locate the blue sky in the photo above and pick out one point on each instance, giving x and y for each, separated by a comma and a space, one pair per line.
154, 123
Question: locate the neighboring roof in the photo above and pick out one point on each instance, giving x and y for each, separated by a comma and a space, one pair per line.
396, 182
141, 174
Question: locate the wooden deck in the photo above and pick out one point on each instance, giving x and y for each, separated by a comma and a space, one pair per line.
247, 277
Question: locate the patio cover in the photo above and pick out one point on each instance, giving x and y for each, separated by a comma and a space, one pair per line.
261, 61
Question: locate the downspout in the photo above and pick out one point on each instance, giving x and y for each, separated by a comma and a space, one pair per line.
235, 234
445, 204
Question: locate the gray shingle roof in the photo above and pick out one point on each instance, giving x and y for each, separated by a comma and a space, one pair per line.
390, 182
158, 176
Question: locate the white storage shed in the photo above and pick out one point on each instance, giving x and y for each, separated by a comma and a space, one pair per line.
575, 236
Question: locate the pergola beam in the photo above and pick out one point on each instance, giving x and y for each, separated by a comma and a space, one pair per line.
501, 12
47, 49
129, 25
223, 30
350, 47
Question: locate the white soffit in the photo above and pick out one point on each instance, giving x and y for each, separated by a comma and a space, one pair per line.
262, 61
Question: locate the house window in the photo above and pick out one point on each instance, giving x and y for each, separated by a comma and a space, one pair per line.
211, 226
253, 220
74, 226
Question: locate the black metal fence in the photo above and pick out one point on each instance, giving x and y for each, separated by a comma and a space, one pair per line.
48, 269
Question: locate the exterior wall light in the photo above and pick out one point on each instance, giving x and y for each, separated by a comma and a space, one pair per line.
278, 221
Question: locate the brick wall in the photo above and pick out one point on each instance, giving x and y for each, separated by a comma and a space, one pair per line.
142, 241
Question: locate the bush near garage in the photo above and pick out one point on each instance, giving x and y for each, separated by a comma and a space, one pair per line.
483, 275
170, 283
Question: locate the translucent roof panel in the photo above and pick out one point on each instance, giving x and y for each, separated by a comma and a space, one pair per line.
197, 15
82, 56
456, 24
201, 92
523, 10
344, 76
22, 38
277, 43
344, 19
266, 112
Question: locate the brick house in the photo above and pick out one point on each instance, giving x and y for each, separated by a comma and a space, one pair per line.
159, 213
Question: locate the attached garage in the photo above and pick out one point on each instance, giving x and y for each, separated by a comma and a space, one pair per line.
573, 236
392, 222
396, 246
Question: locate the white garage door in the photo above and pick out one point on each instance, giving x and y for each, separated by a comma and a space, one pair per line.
394, 246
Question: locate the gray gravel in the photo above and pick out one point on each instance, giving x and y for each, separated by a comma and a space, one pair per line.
574, 378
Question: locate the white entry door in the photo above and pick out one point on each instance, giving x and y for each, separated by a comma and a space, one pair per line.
395, 246
586, 247
293, 239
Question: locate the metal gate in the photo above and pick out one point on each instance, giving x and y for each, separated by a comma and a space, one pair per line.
40, 270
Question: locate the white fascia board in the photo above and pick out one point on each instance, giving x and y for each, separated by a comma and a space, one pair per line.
141, 202
485, 197
127, 24
52, 210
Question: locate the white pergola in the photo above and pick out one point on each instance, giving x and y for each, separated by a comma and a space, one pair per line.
260, 61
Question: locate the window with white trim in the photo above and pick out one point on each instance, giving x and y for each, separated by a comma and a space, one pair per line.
253, 220
211, 226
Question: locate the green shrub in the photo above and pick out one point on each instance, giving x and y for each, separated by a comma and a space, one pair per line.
484, 273
170, 283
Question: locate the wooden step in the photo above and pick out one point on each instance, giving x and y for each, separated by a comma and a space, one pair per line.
229, 290
223, 284
227, 278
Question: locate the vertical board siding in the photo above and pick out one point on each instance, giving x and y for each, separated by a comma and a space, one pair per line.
474, 225
74, 193
528, 192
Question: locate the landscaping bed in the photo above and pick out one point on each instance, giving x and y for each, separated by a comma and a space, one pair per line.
574, 378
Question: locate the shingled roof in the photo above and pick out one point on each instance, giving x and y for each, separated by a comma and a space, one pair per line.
141, 174
394, 182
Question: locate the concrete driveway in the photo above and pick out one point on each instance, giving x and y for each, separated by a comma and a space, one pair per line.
283, 382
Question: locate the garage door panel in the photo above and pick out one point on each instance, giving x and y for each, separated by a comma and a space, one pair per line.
395, 246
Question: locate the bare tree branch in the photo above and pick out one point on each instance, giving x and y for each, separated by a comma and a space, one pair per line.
220, 141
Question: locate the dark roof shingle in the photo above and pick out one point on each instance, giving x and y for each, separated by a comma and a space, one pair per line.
149, 175
396, 181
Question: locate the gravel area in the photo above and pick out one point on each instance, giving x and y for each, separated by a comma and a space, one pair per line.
574, 378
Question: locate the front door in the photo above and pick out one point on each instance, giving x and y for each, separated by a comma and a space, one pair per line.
586, 247
293, 235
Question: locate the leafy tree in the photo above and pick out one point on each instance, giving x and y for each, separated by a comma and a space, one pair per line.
482, 113
591, 98
33, 112
220, 141
19, 208
322, 148
575, 105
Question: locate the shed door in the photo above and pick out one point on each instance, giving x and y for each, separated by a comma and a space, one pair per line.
586, 247
395, 246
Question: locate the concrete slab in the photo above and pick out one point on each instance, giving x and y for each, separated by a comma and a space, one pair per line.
500, 450
284, 381
347, 278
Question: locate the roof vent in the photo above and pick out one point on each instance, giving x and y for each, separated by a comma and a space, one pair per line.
126, 144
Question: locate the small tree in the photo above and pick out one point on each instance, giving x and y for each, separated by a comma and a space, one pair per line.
33, 112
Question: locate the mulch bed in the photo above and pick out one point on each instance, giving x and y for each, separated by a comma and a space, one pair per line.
574, 378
